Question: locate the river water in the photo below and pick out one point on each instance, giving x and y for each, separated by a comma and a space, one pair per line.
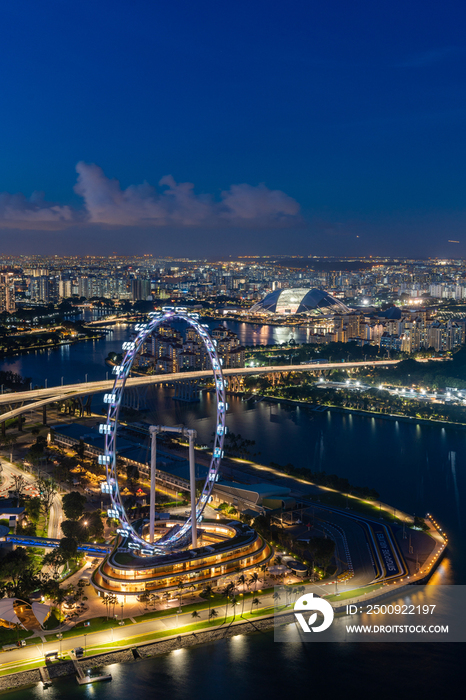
419, 468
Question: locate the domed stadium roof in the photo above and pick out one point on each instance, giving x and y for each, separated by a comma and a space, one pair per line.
299, 301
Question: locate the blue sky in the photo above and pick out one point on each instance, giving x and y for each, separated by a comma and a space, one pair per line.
304, 127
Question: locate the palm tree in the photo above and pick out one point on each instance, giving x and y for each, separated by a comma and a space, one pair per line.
166, 596
288, 592
113, 601
105, 601
180, 586
254, 579
276, 596
209, 591
59, 597
241, 580
264, 571
213, 614
233, 605
228, 590
255, 601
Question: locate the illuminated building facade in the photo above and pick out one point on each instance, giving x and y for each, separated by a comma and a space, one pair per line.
229, 547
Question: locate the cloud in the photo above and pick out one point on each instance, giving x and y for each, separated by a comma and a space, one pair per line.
177, 204
19, 212
174, 204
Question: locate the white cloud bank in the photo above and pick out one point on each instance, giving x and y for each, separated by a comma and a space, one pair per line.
174, 204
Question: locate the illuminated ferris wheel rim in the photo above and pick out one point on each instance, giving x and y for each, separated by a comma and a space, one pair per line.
109, 429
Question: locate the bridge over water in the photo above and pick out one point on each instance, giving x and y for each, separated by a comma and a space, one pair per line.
38, 398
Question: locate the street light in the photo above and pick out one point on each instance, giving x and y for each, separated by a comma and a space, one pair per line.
60, 635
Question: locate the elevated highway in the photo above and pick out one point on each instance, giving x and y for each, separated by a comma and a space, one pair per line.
42, 397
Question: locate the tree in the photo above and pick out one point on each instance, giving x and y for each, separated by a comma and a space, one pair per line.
17, 570
68, 548
73, 529
92, 525
9, 441
47, 489
227, 592
55, 560
132, 474
254, 579
36, 451
59, 597
255, 602
79, 449
208, 592
233, 604
241, 580
180, 585
213, 614
73, 505
19, 485
105, 601
32, 507
322, 550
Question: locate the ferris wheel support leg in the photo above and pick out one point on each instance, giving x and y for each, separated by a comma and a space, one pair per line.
153, 468
192, 484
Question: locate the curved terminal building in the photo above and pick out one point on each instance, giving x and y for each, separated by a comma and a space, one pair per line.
227, 548
300, 300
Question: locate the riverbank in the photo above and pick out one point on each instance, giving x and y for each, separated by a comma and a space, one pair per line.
146, 650
54, 346
359, 411
132, 651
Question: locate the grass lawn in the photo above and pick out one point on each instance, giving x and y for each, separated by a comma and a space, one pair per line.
216, 599
11, 636
52, 621
197, 626
98, 624
26, 666
345, 595
368, 509
41, 527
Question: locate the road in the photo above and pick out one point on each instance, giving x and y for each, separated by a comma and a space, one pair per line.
56, 511
42, 397
128, 631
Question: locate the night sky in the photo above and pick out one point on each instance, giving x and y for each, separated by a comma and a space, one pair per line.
251, 127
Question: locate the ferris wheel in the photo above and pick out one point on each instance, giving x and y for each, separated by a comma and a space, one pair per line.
110, 428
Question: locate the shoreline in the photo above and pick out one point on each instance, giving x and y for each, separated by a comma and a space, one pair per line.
56, 346
132, 652
394, 417
145, 650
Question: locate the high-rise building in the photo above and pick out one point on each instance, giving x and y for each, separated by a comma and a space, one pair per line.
140, 289
7, 293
